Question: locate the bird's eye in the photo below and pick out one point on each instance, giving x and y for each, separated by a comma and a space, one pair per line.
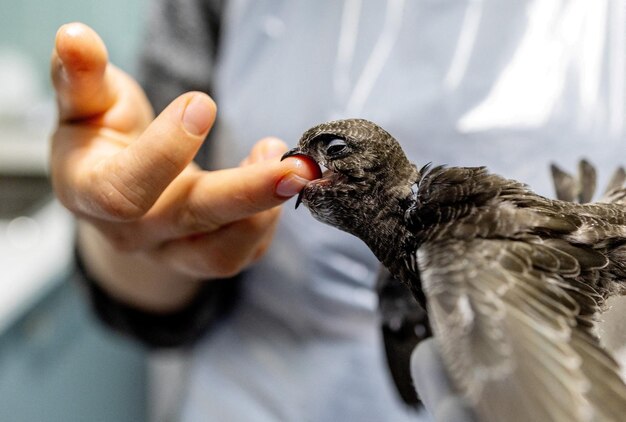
335, 147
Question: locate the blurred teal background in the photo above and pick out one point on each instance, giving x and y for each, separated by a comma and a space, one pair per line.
30, 26
57, 363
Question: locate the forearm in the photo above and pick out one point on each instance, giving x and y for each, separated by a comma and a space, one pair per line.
133, 278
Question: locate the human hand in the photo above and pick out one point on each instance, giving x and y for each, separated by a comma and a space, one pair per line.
433, 385
151, 222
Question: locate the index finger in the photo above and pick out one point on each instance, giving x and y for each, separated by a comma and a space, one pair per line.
79, 72
224, 196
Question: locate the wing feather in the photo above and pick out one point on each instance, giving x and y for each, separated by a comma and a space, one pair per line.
513, 320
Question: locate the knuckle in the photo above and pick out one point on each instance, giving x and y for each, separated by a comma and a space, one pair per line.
114, 199
116, 206
194, 221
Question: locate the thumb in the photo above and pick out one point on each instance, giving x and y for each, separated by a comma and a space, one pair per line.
125, 185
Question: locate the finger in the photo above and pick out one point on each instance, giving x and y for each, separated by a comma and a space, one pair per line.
224, 252
79, 73
89, 89
124, 186
266, 149
155, 227
221, 197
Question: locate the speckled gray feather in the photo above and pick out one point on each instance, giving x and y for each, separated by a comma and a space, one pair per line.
512, 281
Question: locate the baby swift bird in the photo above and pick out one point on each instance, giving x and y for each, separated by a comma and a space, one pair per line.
512, 281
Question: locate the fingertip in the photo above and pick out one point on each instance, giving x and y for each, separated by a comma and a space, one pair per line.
298, 172
272, 148
199, 113
305, 168
79, 48
290, 185
269, 148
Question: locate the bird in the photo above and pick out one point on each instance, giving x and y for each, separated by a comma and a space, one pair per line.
513, 283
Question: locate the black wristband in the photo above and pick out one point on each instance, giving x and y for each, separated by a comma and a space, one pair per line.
162, 330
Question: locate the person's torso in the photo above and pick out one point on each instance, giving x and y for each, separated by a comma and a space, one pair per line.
510, 85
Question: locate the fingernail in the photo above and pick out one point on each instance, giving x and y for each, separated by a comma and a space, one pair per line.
290, 185
274, 148
197, 115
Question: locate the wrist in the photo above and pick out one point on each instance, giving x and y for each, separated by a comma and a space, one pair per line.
133, 277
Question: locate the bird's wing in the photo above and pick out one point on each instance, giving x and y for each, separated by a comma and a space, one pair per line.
616, 182
504, 314
587, 180
565, 185
582, 189
572, 189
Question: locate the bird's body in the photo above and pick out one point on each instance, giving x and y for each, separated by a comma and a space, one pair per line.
512, 281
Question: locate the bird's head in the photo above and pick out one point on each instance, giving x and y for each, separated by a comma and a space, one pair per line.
365, 168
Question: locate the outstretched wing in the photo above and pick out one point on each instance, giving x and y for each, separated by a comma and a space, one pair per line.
507, 316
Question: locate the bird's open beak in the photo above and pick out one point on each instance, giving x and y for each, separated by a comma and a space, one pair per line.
296, 152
